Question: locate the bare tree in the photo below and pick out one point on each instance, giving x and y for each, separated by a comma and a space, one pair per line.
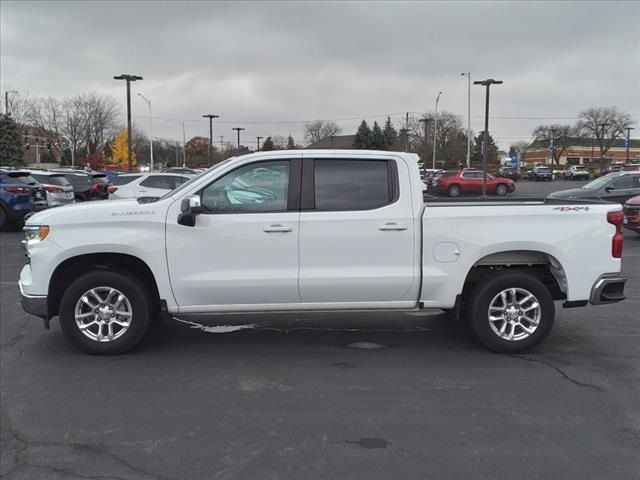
450, 138
605, 125
558, 138
319, 129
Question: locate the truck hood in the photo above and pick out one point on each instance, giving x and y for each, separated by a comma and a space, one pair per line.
105, 209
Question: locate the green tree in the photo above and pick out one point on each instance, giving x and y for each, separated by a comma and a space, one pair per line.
290, 143
11, 151
268, 144
378, 140
363, 137
390, 134
476, 152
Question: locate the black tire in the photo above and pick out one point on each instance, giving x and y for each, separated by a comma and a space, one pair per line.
78, 198
131, 288
454, 191
501, 189
4, 220
490, 287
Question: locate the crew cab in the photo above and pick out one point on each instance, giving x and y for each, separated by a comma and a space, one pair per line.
454, 183
317, 230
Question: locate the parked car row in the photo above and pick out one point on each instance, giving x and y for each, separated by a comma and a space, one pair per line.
23, 191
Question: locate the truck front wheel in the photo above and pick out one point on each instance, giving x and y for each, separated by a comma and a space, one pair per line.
105, 312
511, 312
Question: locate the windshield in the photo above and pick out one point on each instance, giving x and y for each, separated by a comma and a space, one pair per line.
187, 184
597, 183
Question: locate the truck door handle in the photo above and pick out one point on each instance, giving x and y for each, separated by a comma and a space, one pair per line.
392, 226
277, 228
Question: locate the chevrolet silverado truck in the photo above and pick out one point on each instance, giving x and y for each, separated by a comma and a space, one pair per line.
309, 230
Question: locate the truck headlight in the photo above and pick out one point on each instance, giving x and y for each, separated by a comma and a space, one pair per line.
34, 234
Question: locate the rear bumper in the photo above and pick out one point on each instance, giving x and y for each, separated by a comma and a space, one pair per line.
609, 288
34, 304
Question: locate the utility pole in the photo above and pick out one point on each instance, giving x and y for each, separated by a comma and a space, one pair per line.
435, 131
552, 146
628, 140
6, 100
238, 129
468, 75
424, 149
258, 138
485, 142
210, 117
221, 144
603, 125
128, 78
150, 131
406, 132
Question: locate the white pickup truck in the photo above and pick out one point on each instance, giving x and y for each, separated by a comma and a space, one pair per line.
317, 230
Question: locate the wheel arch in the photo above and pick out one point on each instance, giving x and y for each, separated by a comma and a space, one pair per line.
544, 266
73, 267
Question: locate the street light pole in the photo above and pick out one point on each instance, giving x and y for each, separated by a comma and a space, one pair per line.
210, 117
468, 75
258, 138
628, 129
238, 129
6, 100
485, 142
150, 131
128, 78
435, 131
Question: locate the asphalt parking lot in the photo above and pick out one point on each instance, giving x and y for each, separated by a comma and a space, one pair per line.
294, 398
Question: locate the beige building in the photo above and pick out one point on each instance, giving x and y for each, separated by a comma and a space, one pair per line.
581, 151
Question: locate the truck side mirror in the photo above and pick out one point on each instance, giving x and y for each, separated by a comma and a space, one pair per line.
190, 207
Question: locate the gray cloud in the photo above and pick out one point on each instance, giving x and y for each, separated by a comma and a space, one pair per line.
278, 62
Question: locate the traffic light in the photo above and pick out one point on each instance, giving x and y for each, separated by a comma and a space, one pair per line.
49, 146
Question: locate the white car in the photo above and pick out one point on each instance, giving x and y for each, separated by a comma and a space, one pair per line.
59, 189
137, 185
577, 172
317, 230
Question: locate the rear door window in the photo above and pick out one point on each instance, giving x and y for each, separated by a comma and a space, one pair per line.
353, 184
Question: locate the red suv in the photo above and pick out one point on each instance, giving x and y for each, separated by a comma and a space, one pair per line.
454, 183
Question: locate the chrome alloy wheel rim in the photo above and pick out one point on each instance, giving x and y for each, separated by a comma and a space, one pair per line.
514, 314
103, 314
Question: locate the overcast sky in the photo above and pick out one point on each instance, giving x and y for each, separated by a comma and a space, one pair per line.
270, 66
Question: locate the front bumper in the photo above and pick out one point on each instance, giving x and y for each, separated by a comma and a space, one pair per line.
34, 304
609, 288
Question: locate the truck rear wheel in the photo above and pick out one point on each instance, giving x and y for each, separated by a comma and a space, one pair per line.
105, 312
511, 312
454, 191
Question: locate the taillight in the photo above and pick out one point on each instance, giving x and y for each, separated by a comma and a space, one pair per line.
616, 219
112, 189
97, 186
18, 190
51, 189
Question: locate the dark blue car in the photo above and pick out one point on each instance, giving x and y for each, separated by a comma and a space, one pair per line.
20, 194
